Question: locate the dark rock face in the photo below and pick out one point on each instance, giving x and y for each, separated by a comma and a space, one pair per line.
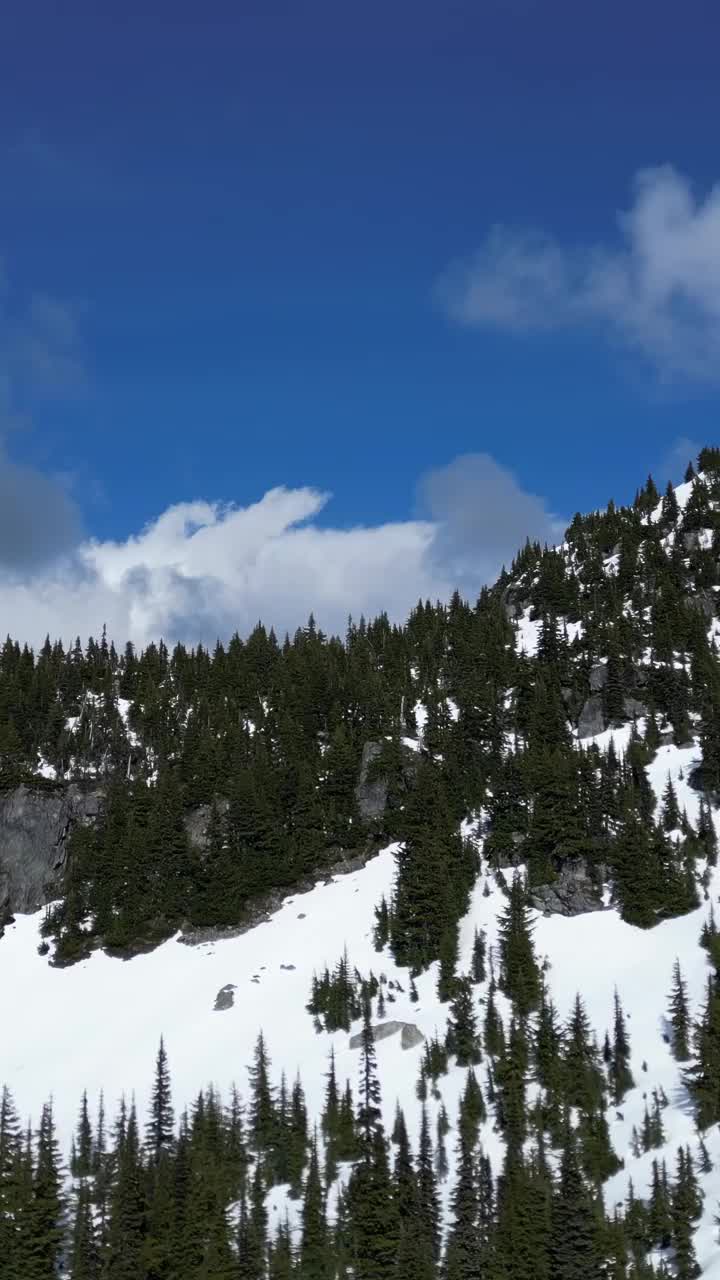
591, 719
371, 796
571, 894
198, 821
225, 998
34, 827
633, 708
410, 1035
598, 677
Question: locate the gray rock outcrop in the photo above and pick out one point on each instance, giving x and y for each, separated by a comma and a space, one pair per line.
598, 677
633, 708
225, 998
371, 794
197, 822
410, 1035
572, 893
591, 719
35, 823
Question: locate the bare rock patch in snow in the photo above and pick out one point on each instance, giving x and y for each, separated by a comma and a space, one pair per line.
410, 1035
225, 998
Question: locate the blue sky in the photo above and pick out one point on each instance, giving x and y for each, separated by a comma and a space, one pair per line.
228, 246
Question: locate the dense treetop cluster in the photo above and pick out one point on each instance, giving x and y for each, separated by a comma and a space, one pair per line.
269, 737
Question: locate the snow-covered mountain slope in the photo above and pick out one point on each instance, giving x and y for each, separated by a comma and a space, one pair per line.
97, 1024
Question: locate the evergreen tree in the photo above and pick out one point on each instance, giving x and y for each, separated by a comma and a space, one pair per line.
520, 976
160, 1126
679, 1015
462, 1034
85, 1263
263, 1115
314, 1253
462, 1257
429, 1208
685, 1208
575, 1240
621, 1077
703, 1075
126, 1227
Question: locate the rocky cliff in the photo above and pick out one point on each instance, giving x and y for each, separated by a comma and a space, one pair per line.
35, 823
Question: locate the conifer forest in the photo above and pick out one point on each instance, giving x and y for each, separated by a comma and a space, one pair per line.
546, 752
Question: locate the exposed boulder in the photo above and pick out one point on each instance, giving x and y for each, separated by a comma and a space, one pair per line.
197, 822
633, 708
410, 1035
572, 893
598, 677
591, 720
35, 823
371, 795
225, 998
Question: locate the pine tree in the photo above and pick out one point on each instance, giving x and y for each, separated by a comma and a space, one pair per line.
621, 1077
547, 1049
263, 1115
15, 1189
297, 1137
670, 807
511, 1075
575, 1243
160, 1126
126, 1226
494, 1034
472, 1106
462, 1034
442, 1167
703, 1075
427, 1189
314, 1253
415, 1256
85, 1256
520, 976
479, 971
280, 1263
45, 1231
81, 1165
369, 1115
679, 1015
252, 1231
659, 1212
462, 1259
686, 1205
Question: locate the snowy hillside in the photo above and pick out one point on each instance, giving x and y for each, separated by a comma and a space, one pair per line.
97, 1024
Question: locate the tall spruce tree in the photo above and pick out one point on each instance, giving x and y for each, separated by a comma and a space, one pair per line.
160, 1126
679, 1015
520, 975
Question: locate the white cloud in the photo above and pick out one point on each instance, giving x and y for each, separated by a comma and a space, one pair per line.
203, 570
657, 289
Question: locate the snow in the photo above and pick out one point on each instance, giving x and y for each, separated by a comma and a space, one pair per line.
682, 494
97, 1024
420, 711
528, 633
123, 706
46, 770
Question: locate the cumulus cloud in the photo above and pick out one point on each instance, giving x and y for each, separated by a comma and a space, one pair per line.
38, 519
481, 517
656, 289
203, 570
